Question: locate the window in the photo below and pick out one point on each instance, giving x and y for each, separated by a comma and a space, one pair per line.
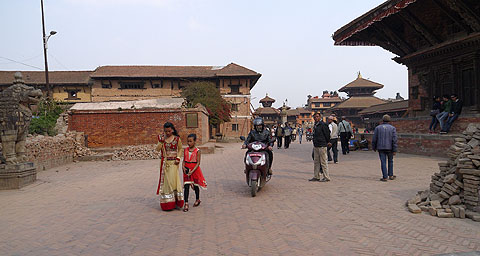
317, 105
72, 94
328, 104
192, 120
234, 127
235, 88
157, 85
132, 85
106, 85
235, 106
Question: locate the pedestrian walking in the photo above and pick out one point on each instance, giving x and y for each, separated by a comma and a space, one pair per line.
385, 141
345, 132
192, 174
332, 126
279, 135
294, 134
321, 140
287, 133
300, 134
170, 186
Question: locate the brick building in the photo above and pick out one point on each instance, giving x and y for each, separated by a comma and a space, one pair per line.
67, 86
113, 124
128, 83
324, 103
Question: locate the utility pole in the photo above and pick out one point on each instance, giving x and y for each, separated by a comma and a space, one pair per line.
47, 84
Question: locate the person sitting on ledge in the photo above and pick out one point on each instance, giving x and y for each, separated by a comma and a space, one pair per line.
455, 111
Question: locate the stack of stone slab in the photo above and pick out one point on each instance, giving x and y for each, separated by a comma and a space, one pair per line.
455, 189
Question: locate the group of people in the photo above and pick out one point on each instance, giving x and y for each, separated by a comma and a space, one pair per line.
445, 111
174, 194
285, 134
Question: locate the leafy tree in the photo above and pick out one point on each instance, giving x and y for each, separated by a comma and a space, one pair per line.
209, 96
44, 121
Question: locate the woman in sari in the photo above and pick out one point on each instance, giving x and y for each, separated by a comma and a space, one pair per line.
170, 187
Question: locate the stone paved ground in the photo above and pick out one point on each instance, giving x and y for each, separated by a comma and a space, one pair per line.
109, 208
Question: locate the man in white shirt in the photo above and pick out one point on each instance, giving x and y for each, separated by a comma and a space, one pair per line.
332, 126
345, 132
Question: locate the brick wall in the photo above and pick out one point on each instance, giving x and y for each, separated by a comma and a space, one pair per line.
48, 152
420, 144
421, 124
113, 128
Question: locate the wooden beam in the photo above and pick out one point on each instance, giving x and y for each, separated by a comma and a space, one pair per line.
452, 15
386, 42
396, 39
419, 27
470, 17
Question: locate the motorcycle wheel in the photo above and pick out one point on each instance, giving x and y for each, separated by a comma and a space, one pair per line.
253, 188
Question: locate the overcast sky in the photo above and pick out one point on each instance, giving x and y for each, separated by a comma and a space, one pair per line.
288, 42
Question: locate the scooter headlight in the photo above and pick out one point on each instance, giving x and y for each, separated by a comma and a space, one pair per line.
256, 147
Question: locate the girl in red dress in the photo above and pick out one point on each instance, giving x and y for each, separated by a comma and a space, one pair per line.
192, 174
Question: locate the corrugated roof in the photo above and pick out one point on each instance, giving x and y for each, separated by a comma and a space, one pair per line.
231, 69
386, 107
361, 83
359, 102
54, 77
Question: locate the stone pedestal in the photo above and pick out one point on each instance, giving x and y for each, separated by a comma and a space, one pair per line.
15, 176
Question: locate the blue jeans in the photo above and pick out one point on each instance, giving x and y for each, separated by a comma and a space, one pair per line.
383, 163
449, 122
442, 118
433, 124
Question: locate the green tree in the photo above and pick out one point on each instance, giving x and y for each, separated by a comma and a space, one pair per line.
209, 96
44, 121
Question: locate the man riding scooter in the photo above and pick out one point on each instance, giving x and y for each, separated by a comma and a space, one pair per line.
259, 133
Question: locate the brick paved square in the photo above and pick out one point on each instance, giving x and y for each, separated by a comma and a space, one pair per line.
110, 208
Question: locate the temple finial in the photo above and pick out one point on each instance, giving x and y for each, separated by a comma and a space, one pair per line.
359, 75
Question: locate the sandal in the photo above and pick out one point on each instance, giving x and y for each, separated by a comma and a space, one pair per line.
185, 208
383, 179
197, 203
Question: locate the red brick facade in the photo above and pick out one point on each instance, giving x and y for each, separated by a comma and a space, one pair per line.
113, 128
421, 124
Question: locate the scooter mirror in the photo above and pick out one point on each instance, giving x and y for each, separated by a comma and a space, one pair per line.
242, 138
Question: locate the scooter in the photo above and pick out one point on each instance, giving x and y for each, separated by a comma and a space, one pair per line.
309, 136
256, 166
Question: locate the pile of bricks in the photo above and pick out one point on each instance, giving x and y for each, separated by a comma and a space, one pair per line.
141, 152
455, 189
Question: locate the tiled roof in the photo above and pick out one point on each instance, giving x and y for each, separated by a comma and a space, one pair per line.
231, 69
332, 99
266, 111
54, 77
267, 99
293, 112
361, 83
359, 102
304, 111
386, 107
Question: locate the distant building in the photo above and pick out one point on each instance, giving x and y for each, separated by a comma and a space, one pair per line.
360, 93
305, 116
270, 115
372, 116
326, 102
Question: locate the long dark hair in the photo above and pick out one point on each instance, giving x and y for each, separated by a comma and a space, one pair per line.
170, 125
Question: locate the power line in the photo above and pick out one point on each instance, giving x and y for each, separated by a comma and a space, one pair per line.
21, 63
61, 64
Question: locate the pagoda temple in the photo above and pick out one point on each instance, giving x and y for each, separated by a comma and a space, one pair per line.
270, 115
360, 92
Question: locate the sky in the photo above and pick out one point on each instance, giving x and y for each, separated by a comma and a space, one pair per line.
289, 42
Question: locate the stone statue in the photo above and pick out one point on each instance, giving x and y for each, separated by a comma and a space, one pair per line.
15, 117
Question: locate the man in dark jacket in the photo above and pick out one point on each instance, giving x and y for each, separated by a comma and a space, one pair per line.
279, 132
321, 139
455, 111
385, 141
259, 133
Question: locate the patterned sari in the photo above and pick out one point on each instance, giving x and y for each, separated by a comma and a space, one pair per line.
170, 186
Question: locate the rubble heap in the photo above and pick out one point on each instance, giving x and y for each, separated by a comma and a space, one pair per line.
141, 152
455, 189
